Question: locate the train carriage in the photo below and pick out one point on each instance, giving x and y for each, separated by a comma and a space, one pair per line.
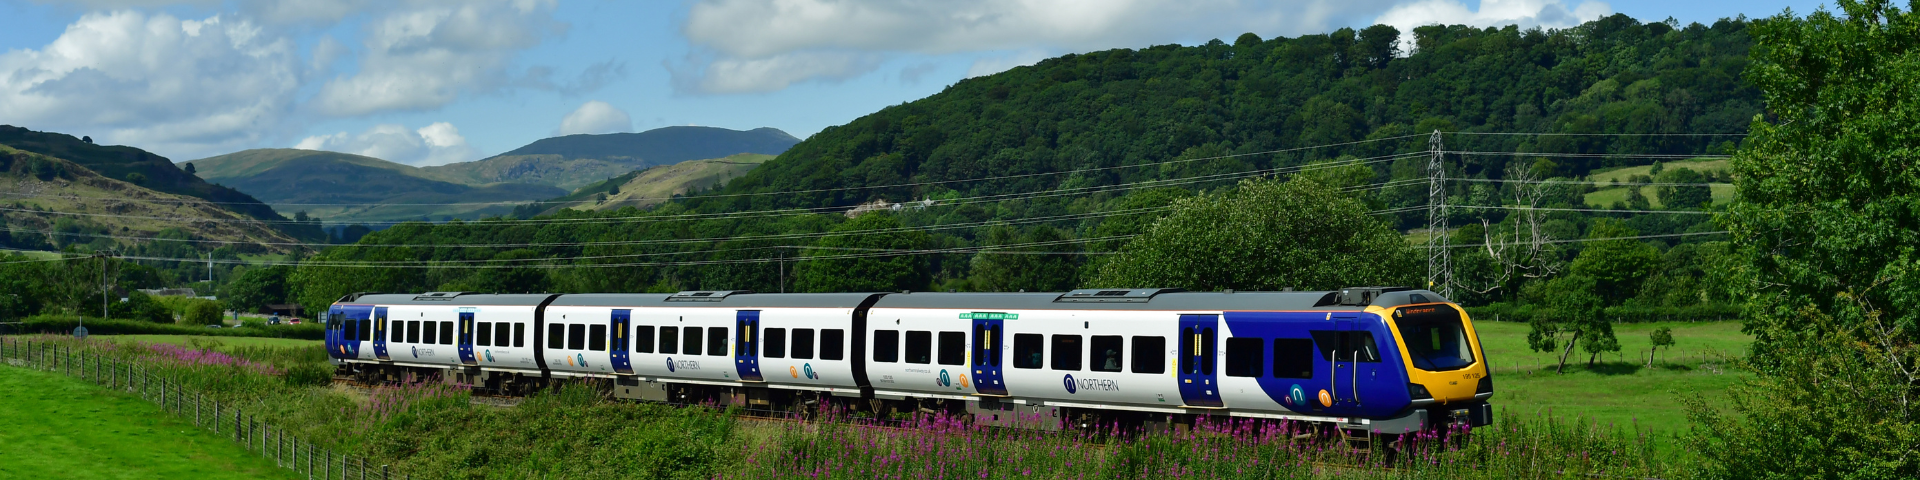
1382, 360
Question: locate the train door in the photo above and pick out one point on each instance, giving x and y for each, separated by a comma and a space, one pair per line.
466, 336
353, 330
1346, 365
622, 323
746, 345
987, 340
336, 347
380, 333
1198, 346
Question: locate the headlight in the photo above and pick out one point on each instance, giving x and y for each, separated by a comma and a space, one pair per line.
1418, 391
1486, 385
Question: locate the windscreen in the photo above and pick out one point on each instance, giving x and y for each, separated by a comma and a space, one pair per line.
1436, 338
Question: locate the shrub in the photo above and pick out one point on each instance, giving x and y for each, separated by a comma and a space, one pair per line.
305, 374
202, 313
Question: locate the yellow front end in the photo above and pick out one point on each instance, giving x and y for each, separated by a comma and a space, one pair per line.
1440, 350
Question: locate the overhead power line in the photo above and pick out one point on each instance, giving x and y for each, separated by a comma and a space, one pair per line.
1584, 240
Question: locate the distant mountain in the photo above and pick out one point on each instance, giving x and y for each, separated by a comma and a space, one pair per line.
574, 161
36, 189
121, 162
646, 188
365, 188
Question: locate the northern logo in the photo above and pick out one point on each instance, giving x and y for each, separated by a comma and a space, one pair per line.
808, 369
1297, 396
416, 352
944, 381
583, 359
1072, 386
489, 354
669, 364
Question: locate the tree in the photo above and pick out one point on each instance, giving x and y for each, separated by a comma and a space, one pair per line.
203, 312
1008, 270
1264, 235
866, 262
1661, 337
1827, 225
1573, 310
1684, 196
87, 139
137, 178
189, 168
255, 288
1618, 266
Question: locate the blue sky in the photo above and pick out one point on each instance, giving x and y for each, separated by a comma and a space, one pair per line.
431, 82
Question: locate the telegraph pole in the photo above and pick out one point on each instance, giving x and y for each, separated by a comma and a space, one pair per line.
1439, 242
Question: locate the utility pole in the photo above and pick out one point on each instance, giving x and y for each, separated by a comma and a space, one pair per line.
1439, 242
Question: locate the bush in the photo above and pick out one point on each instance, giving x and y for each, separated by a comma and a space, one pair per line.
306, 374
202, 313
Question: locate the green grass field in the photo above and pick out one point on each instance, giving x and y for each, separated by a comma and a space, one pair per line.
60, 427
228, 341
1619, 390
1605, 197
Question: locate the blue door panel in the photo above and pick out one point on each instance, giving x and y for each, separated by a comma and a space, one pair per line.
746, 345
465, 336
621, 323
988, 343
380, 333
1199, 342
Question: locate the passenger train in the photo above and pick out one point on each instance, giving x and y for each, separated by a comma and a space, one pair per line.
1377, 360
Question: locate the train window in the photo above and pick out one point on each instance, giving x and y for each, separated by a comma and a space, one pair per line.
1207, 342
717, 341
690, 344
669, 340
1245, 356
597, 338
833, 344
446, 332
1149, 355
484, 337
1346, 346
556, 336
1436, 338
398, 329
500, 338
802, 344
643, 339
919, 347
1028, 350
1066, 352
996, 349
576, 337
1187, 365
413, 331
886, 346
953, 348
430, 332
1108, 350
366, 330
773, 343
1293, 358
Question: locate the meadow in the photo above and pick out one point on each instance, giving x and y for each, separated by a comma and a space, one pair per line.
1615, 419
61, 427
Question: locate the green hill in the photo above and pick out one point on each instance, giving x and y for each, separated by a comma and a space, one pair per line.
41, 187
366, 188
155, 172
652, 186
574, 161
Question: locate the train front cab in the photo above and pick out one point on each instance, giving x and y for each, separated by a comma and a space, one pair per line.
1447, 375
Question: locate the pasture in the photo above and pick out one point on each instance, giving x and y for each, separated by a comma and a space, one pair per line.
61, 427
1619, 389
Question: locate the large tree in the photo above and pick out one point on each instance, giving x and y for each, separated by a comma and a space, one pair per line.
1265, 235
872, 253
1828, 220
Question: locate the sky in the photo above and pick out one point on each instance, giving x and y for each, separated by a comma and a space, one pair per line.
430, 82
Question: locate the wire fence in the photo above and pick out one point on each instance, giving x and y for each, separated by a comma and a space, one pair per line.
256, 435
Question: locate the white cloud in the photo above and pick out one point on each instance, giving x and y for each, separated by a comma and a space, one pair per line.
436, 144
759, 42
424, 58
160, 82
596, 117
1525, 13
992, 65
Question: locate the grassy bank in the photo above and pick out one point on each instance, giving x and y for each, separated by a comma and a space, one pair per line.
432, 430
1619, 389
60, 427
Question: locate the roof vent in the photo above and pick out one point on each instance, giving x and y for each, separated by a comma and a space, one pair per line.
355, 296
1363, 296
437, 296
1096, 295
704, 295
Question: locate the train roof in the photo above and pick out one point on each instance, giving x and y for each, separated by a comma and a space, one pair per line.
1352, 299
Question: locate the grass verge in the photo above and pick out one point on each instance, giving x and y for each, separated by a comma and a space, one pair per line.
60, 427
